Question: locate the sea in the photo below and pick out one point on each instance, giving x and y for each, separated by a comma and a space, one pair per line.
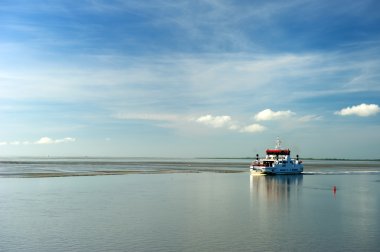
156, 204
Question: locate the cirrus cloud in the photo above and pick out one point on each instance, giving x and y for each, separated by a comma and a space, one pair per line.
268, 115
362, 110
147, 116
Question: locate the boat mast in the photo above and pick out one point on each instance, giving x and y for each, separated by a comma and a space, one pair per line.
278, 144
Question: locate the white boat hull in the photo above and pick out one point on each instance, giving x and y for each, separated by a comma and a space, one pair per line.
277, 169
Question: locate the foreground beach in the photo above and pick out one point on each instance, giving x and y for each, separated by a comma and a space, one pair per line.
201, 207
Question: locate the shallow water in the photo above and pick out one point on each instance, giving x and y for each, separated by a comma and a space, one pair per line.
194, 211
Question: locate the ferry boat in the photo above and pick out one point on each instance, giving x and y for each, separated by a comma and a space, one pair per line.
277, 161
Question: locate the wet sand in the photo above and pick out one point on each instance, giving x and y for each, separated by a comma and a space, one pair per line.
48, 168
100, 167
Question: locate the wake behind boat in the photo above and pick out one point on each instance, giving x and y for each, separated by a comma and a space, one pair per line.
277, 161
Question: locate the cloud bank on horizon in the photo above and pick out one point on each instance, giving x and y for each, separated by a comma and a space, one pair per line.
186, 78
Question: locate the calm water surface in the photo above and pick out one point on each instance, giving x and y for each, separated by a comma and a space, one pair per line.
194, 211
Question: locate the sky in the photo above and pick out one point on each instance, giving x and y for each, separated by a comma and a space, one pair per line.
191, 78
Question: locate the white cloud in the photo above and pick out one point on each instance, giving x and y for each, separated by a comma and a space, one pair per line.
42, 140
45, 140
268, 114
65, 140
227, 122
15, 143
48, 140
360, 110
253, 128
215, 121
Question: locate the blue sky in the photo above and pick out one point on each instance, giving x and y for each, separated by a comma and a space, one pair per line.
189, 78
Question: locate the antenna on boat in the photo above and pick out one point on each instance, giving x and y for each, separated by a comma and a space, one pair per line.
278, 143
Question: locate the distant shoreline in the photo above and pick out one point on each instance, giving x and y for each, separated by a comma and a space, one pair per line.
319, 159
3, 158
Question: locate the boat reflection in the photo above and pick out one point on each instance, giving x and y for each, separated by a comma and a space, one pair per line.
275, 188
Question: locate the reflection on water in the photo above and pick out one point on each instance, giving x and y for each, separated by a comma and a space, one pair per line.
191, 212
275, 188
